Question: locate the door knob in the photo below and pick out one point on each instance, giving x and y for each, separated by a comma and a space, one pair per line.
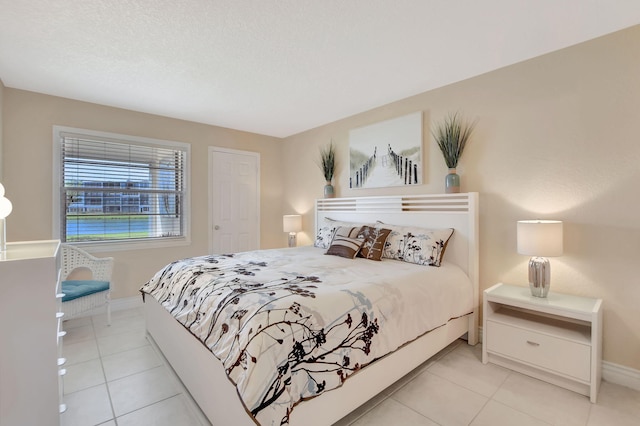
216, 227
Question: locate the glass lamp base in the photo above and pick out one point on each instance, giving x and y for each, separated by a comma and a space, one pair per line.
292, 239
539, 276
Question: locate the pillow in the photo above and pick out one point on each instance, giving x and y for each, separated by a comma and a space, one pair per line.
342, 222
345, 246
417, 245
348, 231
328, 230
324, 237
374, 240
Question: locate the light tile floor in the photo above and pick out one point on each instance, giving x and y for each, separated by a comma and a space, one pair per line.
115, 376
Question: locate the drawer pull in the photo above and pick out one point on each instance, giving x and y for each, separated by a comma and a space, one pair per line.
533, 343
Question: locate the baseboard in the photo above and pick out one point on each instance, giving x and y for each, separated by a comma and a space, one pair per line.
612, 373
621, 375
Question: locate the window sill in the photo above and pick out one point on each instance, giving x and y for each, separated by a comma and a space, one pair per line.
98, 247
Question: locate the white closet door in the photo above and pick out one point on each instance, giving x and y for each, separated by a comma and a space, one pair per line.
234, 201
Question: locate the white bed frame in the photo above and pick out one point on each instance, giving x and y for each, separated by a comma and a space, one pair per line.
204, 377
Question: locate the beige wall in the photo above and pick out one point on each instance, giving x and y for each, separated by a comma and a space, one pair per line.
557, 137
27, 153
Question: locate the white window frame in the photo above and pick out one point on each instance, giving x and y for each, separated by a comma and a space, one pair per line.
98, 246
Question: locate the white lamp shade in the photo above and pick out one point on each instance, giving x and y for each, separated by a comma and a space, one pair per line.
292, 223
540, 238
5, 207
1, 190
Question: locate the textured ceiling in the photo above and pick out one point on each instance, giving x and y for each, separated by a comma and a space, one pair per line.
279, 67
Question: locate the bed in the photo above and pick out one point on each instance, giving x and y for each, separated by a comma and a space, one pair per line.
357, 375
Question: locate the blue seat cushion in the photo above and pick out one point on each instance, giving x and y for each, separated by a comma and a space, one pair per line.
79, 288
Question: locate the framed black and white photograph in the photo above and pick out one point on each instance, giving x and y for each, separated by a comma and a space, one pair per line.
388, 153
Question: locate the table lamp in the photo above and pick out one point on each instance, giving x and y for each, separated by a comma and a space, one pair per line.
292, 223
540, 239
5, 210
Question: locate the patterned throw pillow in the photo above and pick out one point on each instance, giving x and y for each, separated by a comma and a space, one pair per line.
324, 237
417, 245
345, 246
374, 240
348, 231
328, 230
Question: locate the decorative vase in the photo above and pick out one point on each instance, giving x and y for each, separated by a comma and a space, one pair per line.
452, 182
328, 190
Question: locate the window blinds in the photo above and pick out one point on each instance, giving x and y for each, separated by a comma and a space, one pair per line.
115, 190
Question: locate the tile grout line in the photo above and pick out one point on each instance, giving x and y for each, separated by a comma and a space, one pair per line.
178, 388
504, 404
191, 403
106, 383
425, 366
148, 405
488, 398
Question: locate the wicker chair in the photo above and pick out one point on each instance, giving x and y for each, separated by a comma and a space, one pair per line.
84, 295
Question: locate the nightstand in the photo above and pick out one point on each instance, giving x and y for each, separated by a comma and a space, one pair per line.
557, 339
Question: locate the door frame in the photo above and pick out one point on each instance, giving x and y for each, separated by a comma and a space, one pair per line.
210, 152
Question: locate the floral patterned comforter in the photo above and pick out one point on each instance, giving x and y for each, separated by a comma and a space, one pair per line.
290, 324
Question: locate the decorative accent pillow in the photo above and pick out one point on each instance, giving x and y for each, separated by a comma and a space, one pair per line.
345, 246
348, 231
417, 245
374, 240
324, 237
328, 230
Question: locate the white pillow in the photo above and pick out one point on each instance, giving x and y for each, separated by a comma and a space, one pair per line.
416, 245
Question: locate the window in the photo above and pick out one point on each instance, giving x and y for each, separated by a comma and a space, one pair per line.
119, 189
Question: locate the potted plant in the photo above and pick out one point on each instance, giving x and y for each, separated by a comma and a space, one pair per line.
452, 136
328, 165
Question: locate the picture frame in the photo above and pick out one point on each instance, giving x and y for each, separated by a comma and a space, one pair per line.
387, 153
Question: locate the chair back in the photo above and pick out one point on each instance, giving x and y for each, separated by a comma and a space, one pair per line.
74, 258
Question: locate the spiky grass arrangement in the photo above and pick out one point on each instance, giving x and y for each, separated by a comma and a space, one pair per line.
328, 161
452, 136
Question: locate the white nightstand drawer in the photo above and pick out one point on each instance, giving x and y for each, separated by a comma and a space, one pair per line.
557, 354
557, 339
